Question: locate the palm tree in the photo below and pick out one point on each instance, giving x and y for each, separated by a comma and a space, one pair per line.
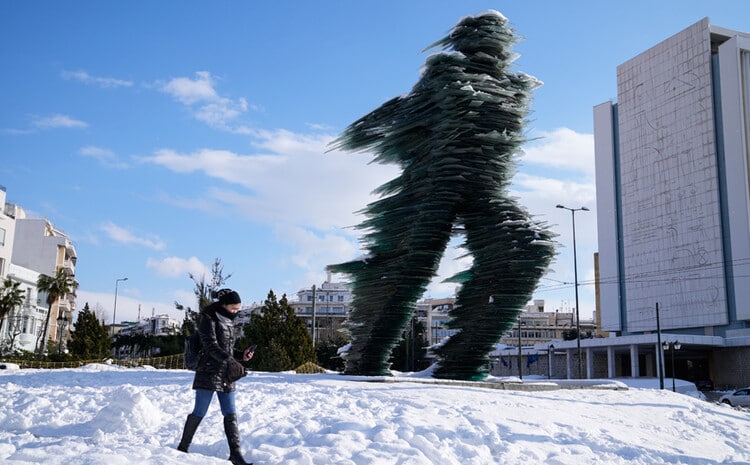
10, 297
59, 286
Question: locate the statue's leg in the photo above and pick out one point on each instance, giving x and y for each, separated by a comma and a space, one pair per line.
407, 244
511, 253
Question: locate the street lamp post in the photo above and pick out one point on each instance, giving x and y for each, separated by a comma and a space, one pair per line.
575, 277
314, 303
660, 353
114, 308
520, 352
550, 356
672, 346
61, 323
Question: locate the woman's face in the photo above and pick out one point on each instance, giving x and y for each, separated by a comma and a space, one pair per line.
233, 308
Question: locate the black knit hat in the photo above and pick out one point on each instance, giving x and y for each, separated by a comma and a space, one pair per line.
228, 297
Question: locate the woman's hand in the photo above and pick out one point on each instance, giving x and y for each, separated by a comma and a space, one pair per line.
248, 353
235, 370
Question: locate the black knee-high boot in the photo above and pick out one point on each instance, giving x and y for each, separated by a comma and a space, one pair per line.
232, 431
191, 424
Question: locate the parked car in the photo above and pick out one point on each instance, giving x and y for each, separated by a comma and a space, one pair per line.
739, 398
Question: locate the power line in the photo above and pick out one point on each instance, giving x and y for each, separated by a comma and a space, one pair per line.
656, 276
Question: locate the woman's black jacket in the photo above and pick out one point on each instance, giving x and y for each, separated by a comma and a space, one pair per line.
217, 342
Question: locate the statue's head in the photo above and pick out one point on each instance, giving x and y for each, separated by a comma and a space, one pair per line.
485, 33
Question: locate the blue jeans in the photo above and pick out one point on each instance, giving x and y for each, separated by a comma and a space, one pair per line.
203, 400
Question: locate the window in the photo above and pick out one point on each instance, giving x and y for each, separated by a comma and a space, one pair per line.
2, 236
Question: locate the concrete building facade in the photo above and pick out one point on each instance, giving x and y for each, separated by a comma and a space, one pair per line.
673, 205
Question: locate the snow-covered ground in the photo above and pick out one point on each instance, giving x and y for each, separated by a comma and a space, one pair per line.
102, 414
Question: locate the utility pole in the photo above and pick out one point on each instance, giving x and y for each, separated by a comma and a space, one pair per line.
659, 359
575, 277
314, 333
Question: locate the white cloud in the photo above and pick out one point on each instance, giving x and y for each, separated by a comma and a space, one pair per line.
122, 235
291, 181
221, 164
58, 121
319, 127
97, 153
204, 101
173, 267
282, 141
15, 132
548, 191
46, 122
562, 148
540, 186
86, 78
190, 91
105, 157
219, 113
315, 251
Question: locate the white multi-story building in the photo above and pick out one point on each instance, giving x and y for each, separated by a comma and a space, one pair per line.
23, 324
673, 208
40, 246
129, 335
30, 248
157, 325
536, 324
433, 313
323, 309
8, 215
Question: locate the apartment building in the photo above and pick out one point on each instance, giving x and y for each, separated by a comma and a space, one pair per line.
157, 325
30, 248
323, 309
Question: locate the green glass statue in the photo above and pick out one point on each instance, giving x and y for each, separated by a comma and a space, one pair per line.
456, 137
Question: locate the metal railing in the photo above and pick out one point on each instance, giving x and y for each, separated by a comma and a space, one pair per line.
169, 362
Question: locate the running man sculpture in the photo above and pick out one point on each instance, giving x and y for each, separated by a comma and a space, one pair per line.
456, 136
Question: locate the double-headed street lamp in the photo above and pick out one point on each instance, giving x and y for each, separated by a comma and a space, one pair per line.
575, 277
114, 308
62, 322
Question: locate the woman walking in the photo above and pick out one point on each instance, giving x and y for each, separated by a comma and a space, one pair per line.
218, 370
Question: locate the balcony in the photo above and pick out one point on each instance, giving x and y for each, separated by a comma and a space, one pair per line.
69, 266
70, 250
64, 304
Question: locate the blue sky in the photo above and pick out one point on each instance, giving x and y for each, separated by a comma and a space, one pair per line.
162, 135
